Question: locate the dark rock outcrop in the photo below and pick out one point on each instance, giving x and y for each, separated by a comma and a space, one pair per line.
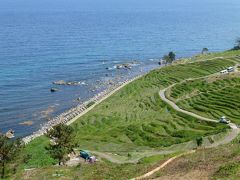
54, 89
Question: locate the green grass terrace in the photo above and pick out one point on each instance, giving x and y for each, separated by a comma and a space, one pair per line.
211, 97
135, 124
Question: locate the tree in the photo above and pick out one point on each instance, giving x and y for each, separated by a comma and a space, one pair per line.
237, 44
9, 149
166, 58
170, 57
205, 50
199, 141
62, 142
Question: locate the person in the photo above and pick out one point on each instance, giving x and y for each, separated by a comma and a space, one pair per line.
92, 159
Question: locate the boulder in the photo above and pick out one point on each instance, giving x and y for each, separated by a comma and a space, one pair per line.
54, 89
10, 134
60, 82
26, 123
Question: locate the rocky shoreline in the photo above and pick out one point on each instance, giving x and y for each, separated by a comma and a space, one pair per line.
78, 110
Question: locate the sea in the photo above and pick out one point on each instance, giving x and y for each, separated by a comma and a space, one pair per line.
85, 41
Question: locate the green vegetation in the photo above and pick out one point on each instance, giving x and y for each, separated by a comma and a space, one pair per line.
62, 142
211, 97
136, 116
100, 170
215, 163
237, 45
228, 170
155, 158
170, 57
211, 56
8, 151
130, 123
199, 141
37, 153
205, 50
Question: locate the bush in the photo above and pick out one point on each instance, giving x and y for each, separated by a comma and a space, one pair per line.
199, 141
210, 140
228, 169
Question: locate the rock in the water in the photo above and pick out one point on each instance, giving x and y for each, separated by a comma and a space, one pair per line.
26, 123
68, 83
54, 89
110, 82
120, 66
60, 82
72, 83
10, 134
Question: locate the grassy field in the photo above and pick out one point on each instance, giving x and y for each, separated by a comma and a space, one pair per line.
136, 116
217, 163
211, 97
132, 121
100, 170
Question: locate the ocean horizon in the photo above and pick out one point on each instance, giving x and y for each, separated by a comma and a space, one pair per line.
42, 44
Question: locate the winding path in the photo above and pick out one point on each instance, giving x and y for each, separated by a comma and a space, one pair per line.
228, 138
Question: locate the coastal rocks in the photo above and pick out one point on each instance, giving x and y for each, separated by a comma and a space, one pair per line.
162, 62
69, 83
60, 82
66, 83
73, 83
54, 89
124, 65
10, 134
110, 82
47, 113
81, 109
26, 123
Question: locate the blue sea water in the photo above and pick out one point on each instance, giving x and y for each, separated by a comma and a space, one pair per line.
45, 41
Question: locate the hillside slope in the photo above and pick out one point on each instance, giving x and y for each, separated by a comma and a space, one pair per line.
134, 127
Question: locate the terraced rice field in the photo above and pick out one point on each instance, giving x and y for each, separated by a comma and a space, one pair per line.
211, 97
132, 123
136, 117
